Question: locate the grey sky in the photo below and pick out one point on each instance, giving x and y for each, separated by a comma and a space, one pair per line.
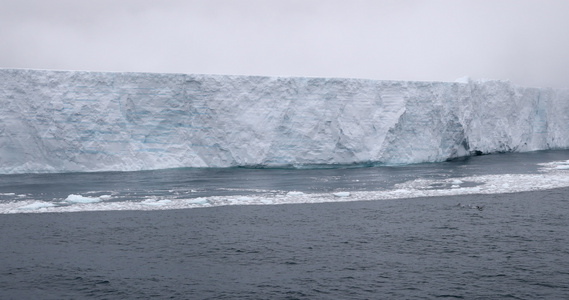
524, 41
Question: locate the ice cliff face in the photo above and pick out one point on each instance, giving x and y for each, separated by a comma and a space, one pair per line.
57, 121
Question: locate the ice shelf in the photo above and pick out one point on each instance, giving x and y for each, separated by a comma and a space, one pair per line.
70, 121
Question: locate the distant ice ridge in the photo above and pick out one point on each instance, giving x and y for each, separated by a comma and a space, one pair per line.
60, 121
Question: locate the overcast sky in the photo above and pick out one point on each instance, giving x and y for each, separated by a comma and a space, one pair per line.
524, 41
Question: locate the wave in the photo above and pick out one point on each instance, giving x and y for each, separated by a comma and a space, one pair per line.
551, 175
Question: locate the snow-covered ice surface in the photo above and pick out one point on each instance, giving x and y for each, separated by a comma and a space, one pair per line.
67, 121
443, 182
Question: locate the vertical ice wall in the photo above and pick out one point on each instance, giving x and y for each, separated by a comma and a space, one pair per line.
58, 121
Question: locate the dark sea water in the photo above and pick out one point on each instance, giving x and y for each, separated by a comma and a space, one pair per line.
516, 247
192, 183
425, 248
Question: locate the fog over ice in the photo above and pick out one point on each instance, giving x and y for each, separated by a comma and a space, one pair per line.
524, 41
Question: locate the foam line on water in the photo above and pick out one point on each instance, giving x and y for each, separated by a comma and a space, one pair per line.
552, 175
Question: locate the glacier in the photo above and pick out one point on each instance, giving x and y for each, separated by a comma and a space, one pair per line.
78, 121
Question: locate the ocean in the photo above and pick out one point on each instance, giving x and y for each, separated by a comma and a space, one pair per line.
485, 227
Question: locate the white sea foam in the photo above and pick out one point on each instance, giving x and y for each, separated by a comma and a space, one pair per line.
549, 177
154, 202
294, 193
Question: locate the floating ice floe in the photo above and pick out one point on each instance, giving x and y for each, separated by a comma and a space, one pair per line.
81, 199
457, 182
36, 205
342, 194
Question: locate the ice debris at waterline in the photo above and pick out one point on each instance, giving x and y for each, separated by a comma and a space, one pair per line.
550, 176
81, 199
69, 121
